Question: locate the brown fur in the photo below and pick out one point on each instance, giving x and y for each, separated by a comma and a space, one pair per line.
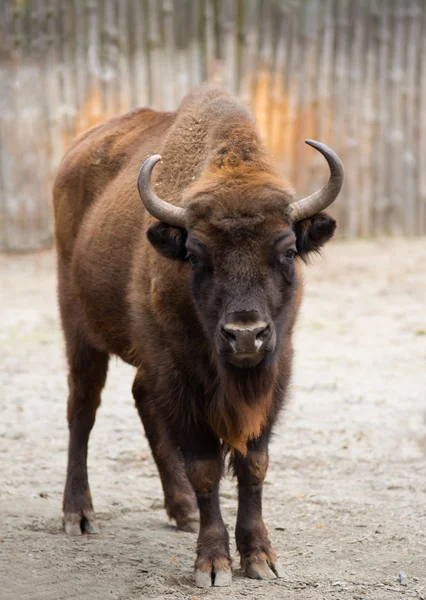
99, 215
125, 292
241, 409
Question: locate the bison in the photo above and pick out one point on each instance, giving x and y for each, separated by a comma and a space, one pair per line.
198, 286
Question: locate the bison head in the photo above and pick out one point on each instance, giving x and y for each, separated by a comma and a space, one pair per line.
242, 235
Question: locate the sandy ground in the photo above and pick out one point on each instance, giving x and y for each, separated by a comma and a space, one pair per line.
345, 496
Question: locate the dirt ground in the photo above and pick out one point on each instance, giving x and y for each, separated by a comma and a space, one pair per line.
345, 496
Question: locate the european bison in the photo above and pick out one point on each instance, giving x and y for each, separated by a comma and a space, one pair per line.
199, 290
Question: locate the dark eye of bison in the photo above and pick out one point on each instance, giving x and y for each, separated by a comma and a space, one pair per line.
193, 260
287, 257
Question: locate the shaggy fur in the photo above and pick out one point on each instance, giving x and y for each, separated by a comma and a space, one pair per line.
126, 288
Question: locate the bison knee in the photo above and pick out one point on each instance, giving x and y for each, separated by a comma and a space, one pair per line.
204, 474
252, 468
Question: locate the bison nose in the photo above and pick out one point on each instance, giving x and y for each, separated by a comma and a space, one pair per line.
246, 338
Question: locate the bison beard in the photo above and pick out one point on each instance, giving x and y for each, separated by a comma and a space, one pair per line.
242, 403
127, 288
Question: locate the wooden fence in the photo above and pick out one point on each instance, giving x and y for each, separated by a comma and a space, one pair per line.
351, 73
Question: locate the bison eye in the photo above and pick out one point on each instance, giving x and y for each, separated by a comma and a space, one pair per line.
287, 257
192, 259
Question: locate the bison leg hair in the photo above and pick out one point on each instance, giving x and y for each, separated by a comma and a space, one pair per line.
258, 558
179, 497
204, 465
87, 375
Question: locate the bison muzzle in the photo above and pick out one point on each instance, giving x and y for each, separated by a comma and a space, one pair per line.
193, 276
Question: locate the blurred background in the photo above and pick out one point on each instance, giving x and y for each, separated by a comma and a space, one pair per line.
350, 73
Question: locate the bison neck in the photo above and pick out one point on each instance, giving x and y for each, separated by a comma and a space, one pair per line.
242, 403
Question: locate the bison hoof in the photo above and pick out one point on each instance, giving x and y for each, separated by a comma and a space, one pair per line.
79, 523
203, 579
262, 569
222, 578
215, 577
217, 574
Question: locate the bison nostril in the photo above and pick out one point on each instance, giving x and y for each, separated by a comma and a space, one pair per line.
246, 338
261, 336
228, 335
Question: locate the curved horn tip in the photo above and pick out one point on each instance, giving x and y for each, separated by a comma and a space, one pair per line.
148, 164
320, 200
153, 159
158, 208
325, 150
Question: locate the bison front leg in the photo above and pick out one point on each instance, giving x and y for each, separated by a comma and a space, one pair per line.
179, 497
258, 558
204, 464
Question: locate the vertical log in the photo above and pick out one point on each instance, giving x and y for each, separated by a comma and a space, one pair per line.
218, 28
124, 64
182, 73
409, 159
312, 168
401, 162
267, 58
421, 119
139, 58
354, 100
110, 77
80, 68
262, 81
93, 96
367, 107
240, 33
339, 138
209, 40
248, 60
228, 19
172, 98
195, 43
10, 234
278, 93
53, 91
202, 71
156, 55
292, 85
66, 53
386, 130
277, 88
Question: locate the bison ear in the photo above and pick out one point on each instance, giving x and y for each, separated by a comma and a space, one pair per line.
313, 233
168, 241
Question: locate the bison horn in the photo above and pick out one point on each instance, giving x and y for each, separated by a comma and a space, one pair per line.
318, 201
163, 211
